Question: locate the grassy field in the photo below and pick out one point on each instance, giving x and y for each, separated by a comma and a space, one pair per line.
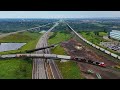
69, 70
90, 36
59, 37
18, 68
98, 51
96, 39
25, 37
102, 34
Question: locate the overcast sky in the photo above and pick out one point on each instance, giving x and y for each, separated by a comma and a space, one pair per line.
58, 14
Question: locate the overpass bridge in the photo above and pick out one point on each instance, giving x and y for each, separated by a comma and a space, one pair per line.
41, 57
39, 64
44, 68
52, 57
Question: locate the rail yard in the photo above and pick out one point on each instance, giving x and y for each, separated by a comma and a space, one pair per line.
70, 47
91, 65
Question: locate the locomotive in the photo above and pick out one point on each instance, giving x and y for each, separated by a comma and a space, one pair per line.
80, 59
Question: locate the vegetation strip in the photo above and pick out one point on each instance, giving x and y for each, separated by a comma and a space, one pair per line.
69, 70
18, 68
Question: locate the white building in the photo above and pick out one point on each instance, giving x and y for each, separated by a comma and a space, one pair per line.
43, 31
115, 34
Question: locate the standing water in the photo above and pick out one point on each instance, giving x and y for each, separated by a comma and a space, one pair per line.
10, 46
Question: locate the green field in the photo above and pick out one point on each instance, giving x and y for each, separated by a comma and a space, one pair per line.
102, 34
18, 68
92, 37
69, 70
98, 51
25, 37
59, 37
96, 39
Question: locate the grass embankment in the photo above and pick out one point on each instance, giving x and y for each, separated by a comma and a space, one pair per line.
96, 39
98, 51
24, 37
92, 37
69, 70
18, 68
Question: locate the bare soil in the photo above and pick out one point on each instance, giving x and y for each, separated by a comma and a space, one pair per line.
105, 73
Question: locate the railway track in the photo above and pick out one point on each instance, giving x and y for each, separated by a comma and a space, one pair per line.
55, 73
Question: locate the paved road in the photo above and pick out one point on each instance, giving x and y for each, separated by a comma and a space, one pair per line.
54, 69
38, 71
6, 34
39, 65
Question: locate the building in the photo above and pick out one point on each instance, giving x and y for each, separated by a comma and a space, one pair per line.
115, 34
43, 31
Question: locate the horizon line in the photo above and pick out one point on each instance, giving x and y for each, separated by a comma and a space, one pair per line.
57, 18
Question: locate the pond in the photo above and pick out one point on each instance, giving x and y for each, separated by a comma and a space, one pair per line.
10, 46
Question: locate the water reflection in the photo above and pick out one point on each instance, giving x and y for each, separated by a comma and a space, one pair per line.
10, 46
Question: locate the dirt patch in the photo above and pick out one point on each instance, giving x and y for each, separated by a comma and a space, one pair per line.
70, 48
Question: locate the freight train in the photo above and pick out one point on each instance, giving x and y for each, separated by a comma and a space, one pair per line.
55, 56
95, 46
97, 63
102, 49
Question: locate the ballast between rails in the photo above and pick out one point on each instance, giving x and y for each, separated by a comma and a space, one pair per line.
102, 49
95, 46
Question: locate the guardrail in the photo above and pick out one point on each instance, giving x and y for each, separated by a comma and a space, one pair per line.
48, 56
53, 56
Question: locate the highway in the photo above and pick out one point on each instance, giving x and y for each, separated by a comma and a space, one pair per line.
38, 27
41, 66
44, 66
6, 34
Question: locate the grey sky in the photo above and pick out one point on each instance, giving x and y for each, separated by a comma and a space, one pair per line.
58, 14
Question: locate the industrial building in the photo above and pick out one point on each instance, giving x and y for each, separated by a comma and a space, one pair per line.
115, 34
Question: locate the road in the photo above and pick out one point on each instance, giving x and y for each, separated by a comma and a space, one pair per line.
6, 34
42, 66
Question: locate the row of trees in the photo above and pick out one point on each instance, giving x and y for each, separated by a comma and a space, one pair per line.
16, 25
107, 25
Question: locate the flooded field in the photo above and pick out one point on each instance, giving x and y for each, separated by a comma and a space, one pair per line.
10, 46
